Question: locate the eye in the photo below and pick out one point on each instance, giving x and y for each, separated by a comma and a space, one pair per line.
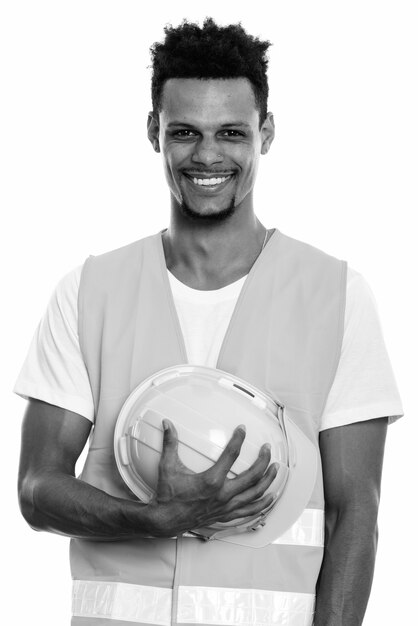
230, 132
184, 133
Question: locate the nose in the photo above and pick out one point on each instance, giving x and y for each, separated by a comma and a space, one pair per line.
207, 152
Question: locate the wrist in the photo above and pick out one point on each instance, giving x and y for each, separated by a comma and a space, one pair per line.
158, 522
139, 520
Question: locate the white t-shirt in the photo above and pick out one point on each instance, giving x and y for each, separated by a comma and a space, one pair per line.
364, 387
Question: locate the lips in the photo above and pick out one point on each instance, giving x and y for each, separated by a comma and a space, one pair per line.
209, 181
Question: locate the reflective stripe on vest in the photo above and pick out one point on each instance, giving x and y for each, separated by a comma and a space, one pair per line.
140, 604
120, 601
308, 530
285, 338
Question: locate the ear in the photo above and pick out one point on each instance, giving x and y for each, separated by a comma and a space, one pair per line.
153, 131
267, 133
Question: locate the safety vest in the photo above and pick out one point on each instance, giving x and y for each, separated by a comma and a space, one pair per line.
285, 338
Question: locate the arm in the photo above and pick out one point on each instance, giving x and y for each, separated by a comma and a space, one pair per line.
52, 499
352, 458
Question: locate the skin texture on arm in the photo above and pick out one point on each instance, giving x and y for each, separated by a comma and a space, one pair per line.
352, 458
52, 499
50, 496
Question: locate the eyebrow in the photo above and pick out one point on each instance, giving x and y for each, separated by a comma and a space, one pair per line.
227, 125
236, 124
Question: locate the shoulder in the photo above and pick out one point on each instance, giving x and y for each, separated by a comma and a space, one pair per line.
361, 302
303, 249
101, 269
312, 265
63, 301
69, 284
319, 275
356, 282
121, 253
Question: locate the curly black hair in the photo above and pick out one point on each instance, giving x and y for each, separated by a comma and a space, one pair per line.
210, 51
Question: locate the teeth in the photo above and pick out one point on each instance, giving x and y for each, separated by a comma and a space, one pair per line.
205, 182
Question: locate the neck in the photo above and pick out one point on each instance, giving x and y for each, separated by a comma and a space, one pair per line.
206, 255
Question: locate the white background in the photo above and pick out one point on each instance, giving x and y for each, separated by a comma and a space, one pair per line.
79, 178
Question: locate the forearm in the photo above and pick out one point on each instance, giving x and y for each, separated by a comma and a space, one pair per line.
347, 570
60, 503
52, 499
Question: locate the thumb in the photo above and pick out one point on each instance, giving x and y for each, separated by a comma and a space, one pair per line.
170, 438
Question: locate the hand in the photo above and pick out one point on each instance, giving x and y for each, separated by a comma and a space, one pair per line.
185, 500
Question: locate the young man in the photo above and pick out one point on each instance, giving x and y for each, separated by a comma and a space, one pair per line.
215, 288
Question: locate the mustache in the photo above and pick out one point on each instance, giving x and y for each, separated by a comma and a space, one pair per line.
207, 172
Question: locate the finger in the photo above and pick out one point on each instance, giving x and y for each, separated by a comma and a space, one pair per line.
255, 508
256, 491
253, 474
229, 454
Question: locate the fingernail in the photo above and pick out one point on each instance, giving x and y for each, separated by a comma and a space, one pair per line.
264, 448
242, 427
166, 425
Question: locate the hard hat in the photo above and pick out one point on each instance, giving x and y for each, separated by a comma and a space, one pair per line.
206, 405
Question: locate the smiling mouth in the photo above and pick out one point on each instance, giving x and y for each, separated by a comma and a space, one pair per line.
211, 182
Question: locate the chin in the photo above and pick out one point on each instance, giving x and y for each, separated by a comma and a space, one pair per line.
212, 216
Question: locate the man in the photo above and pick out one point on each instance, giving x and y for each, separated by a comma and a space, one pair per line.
215, 288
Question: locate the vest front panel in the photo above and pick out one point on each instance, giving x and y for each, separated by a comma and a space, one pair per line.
285, 338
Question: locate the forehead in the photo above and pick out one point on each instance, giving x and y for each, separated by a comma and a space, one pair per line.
195, 100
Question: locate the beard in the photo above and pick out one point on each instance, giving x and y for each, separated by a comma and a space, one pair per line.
216, 217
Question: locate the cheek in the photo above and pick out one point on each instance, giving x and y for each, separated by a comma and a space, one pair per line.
250, 166
175, 154
170, 162
246, 155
